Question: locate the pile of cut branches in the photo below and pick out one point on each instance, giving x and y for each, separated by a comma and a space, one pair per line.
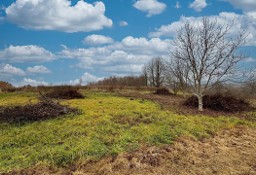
219, 102
67, 94
45, 109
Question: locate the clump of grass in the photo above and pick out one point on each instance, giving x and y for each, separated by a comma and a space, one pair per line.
109, 125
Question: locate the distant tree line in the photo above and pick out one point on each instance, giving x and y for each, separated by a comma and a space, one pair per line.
121, 81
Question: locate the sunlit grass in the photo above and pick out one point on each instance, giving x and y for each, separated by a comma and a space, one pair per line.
108, 125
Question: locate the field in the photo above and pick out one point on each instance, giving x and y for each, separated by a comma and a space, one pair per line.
127, 133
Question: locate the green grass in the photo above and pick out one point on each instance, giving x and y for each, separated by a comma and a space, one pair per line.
108, 125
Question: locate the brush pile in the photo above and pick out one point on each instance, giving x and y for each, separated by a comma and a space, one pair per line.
43, 110
66, 94
219, 102
162, 91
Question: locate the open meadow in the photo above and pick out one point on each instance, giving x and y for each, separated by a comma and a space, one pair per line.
127, 132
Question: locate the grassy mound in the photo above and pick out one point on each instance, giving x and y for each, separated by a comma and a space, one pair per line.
219, 102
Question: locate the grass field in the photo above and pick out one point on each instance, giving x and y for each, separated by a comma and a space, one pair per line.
109, 125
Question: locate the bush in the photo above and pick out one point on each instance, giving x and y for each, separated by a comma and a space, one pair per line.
219, 102
162, 91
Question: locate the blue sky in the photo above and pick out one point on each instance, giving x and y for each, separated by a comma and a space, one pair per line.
62, 41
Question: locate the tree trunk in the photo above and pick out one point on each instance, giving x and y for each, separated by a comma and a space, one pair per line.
200, 103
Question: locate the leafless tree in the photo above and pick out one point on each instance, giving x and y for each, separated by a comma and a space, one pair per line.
155, 71
176, 75
208, 52
145, 75
250, 82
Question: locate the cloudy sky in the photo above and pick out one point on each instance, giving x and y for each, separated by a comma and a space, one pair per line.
62, 41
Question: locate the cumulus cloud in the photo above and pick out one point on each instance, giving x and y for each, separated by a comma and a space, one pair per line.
170, 30
245, 5
239, 22
151, 7
38, 69
250, 60
9, 70
85, 79
32, 82
29, 53
123, 23
198, 5
126, 56
58, 15
97, 40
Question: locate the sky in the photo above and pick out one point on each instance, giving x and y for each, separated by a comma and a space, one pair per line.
45, 42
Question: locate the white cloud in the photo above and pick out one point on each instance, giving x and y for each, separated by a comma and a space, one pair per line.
239, 22
245, 5
250, 60
97, 40
198, 5
29, 53
123, 23
32, 82
151, 7
85, 79
58, 15
170, 30
38, 69
177, 6
126, 56
9, 70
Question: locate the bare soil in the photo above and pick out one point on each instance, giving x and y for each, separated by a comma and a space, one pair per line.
228, 152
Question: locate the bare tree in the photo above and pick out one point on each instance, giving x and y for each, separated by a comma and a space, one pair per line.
155, 71
145, 75
250, 82
176, 75
208, 53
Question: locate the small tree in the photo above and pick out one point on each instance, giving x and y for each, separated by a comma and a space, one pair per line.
155, 70
250, 83
145, 75
177, 75
207, 52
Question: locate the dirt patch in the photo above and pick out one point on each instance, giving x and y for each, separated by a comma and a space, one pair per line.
219, 102
175, 103
162, 91
45, 109
228, 152
64, 94
166, 102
